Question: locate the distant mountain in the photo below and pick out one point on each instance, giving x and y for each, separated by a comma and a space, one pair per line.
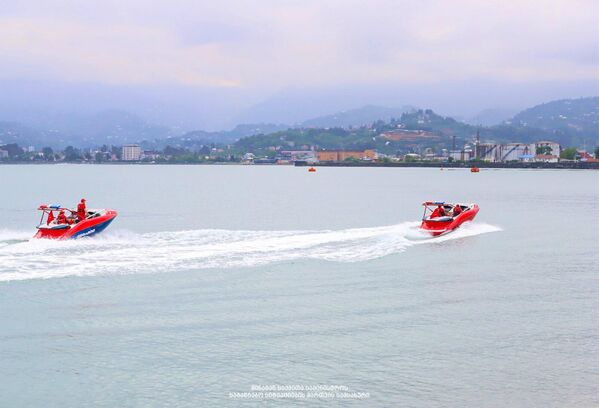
245, 130
110, 127
572, 121
15, 132
115, 127
229, 136
24, 136
491, 117
363, 137
412, 131
345, 119
198, 138
356, 117
365, 115
448, 127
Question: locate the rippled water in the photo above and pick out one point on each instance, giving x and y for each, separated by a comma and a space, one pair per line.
212, 279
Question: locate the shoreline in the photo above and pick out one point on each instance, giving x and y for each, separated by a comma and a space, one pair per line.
441, 165
461, 165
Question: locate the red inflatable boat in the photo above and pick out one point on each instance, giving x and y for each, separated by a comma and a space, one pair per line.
95, 221
440, 217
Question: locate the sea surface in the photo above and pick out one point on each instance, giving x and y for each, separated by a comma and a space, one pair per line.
215, 281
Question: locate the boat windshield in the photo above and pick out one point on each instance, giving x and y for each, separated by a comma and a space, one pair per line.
430, 210
46, 210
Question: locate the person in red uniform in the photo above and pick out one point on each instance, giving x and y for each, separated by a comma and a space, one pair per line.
62, 218
81, 210
50, 218
438, 212
457, 210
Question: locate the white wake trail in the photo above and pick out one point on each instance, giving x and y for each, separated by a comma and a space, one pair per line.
121, 252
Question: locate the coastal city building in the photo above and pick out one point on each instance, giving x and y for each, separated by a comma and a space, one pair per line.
131, 152
341, 155
289, 156
511, 153
461, 155
517, 151
543, 151
546, 158
587, 157
151, 155
99, 155
412, 157
549, 148
248, 158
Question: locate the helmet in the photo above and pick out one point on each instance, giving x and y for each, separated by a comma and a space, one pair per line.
83, 200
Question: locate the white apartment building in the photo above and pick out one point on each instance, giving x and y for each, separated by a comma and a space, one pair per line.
131, 152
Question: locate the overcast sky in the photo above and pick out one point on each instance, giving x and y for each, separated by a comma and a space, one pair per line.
247, 51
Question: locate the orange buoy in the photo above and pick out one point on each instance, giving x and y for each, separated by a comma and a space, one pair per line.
474, 169
311, 169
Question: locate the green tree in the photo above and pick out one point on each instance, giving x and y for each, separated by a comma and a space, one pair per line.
568, 154
71, 154
13, 149
116, 151
597, 152
48, 153
544, 150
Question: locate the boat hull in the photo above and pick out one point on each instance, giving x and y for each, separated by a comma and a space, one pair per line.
85, 228
444, 225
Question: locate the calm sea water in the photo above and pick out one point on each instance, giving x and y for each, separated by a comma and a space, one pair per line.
216, 278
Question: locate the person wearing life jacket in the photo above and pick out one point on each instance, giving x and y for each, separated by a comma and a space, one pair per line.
62, 218
50, 217
81, 211
457, 210
438, 212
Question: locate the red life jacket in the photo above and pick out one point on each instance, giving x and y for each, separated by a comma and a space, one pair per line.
50, 218
81, 211
438, 212
62, 219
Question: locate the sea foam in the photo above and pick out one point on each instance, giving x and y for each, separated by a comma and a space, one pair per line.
123, 252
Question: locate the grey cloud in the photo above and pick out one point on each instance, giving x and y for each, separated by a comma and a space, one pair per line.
222, 57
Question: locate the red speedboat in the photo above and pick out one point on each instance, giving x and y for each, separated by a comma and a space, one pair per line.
440, 217
95, 221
